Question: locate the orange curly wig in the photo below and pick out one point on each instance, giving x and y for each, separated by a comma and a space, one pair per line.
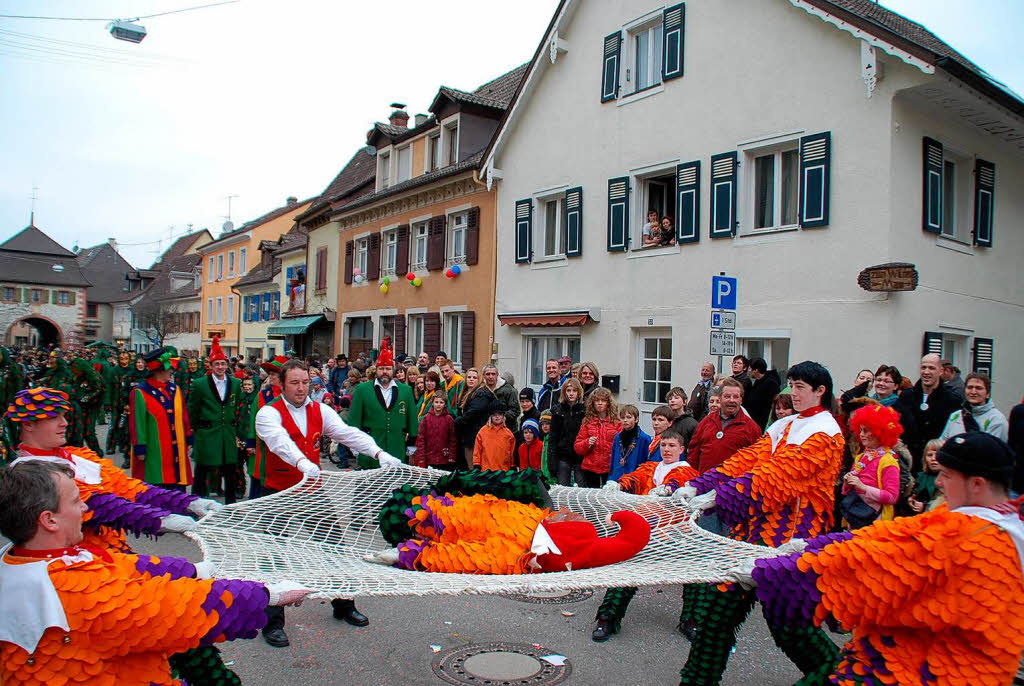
883, 423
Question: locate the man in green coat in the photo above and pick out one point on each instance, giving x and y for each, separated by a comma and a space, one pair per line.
385, 409
213, 412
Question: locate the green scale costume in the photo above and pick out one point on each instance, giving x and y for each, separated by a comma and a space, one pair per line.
58, 377
12, 380
117, 401
88, 393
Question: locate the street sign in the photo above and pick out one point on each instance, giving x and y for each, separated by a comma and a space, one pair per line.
723, 343
723, 319
723, 292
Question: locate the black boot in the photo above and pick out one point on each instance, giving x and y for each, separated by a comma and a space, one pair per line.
276, 637
603, 631
346, 611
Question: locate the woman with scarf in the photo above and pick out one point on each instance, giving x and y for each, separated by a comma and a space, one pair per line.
978, 413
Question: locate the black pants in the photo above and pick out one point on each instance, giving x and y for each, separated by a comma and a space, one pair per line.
569, 472
228, 473
593, 479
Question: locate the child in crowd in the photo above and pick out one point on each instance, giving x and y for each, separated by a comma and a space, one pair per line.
531, 450
495, 444
683, 422
436, 445
545, 432
342, 452
927, 495
596, 436
661, 419
529, 410
875, 477
658, 478
632, 445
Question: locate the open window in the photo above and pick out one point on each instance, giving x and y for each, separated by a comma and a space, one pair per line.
643, 62
655, 221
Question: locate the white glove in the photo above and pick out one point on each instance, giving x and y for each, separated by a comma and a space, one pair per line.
795, 545
685, 493
612, 486
742, 574
176, 523
702, 502
203, 506
410, 451
205, 569
660, 491
308, 468
287, 592
387, 460
387, 557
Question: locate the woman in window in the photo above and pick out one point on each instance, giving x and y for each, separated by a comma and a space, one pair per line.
668, 234
652, 229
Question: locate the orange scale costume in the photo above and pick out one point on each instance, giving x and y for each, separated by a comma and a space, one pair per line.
110, 619
650, 475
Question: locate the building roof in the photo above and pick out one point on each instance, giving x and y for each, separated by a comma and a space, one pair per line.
105, 268
354, 179
32, 257
263, 273
32, 239
496, 93
179, 247
160, 289
273, 214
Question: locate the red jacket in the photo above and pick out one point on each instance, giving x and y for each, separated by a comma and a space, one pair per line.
435, 442
707, 451
530, 454
597, 458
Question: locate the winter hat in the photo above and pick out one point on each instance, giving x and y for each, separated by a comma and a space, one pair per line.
527, 394
37, 403
275, 364
385, 358
216, 352
545, 416
532, 426
158, 360
978, 454
581, 548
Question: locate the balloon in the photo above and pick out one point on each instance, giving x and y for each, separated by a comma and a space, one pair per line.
448, 273
410, 276
384, 288
417, 282
456, 269
387, 280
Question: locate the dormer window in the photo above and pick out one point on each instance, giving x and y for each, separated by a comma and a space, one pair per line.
434, 152
404, 171
453, 143
384, 169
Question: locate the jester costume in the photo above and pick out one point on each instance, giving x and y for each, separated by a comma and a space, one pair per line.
11, 381
58, 377
779, 488
88, 395
117, 504
159, 428
117, 436
467, 531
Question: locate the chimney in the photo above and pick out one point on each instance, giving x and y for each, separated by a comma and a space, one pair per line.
421, 119
112, 242
399, 117
291, 200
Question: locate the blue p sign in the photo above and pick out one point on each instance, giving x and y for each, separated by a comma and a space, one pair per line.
723, 292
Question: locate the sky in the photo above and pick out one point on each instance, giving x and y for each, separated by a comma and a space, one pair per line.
265, 99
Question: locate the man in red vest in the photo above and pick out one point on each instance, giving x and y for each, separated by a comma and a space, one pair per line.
290, 428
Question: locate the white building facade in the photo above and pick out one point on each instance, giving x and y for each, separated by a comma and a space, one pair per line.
791, 147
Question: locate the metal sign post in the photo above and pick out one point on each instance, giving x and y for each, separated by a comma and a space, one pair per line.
723, 317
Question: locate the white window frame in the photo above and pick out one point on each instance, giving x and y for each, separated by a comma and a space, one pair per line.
432, 162
451, 335
230, 319
660, 357
362, 254
450, 140
231, 264
220, 310
220, 267
243, 254
555, 344
749, 152
640, 179
420, 235
63, 298
415, 327
209, 310
383, 168
213, 271
774, 347
454, 228
403, 169
652, 26
389, 252
541, 202
959, 204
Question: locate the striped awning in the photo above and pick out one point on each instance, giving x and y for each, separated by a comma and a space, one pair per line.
293, 326
576, 318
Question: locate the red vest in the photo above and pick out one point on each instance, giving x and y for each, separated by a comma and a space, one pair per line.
278, 474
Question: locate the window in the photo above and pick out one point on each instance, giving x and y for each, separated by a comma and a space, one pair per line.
434, 152
775, 352
956, 196
321, 268
457, 238
265, 306
404, 171
384, 170
220, 310
10, 294
254, 308
452, 336
360, 335
453, 144
275, 305
37, 295
63, 298
656, 369
387, 328
554, 236
643, 66
209, 277
540, 348
243, 254
231, 309
389, 250
197, 278
209, 309
362, 254
776, 183
414, 335
657, 194
220, 267
419, 246
231, 264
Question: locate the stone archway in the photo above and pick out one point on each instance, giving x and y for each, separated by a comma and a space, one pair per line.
49, 331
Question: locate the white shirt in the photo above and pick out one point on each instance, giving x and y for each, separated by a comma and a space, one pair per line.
387, 391
270, 431
221, 385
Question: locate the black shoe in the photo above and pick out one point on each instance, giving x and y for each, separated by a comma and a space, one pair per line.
688, 629
346, 611
603, 631
277, 638
110, 452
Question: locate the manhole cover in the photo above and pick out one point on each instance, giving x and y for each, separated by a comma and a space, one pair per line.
499, 664
551, 597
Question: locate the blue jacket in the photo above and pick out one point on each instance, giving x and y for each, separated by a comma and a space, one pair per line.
636, 457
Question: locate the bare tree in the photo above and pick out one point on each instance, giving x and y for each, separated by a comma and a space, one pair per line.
158, 319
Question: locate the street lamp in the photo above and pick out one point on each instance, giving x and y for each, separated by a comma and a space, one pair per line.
123, 29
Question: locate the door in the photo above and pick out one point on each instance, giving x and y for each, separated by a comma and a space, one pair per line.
654, 362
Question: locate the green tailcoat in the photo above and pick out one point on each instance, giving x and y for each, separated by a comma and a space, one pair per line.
214, 422
389, 428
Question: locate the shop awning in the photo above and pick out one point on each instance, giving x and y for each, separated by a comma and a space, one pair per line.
576, 318
293, 326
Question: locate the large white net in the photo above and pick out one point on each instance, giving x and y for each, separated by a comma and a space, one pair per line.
317, 533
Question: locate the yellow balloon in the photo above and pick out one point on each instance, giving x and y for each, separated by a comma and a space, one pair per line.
417, 282
384, 289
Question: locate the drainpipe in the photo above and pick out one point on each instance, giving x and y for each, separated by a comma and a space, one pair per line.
238, 314
494, 269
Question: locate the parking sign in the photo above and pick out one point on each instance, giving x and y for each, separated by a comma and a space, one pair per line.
723, 292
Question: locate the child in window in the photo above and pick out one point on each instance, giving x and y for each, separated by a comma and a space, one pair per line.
531, 450
927, 495
652, 229
632, 445
597, 433
661, 419
495, 444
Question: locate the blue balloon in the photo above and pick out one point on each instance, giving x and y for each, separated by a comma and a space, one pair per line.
456, 269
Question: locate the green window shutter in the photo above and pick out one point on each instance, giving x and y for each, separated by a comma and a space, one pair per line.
524, 231
688, 202
984, 202
931, 220
610, 67
673, 21
574, 222
53, 297
26, 295
723, 194
815, 179
72, 297
932, 343
618, 214
983, 349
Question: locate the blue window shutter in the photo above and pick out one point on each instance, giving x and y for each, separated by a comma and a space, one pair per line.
688, 202
618, 214
723, 194
524, 231
673, 21
815, 179
983, 353
932, 343
290, 274
245, 308
610, 67
574, 222
984, 202
931, 220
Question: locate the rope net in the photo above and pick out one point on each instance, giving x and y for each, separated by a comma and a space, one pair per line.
318, 533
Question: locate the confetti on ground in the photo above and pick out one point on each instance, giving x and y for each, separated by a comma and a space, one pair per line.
566, 613
556, 660
448, 623
435, 648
